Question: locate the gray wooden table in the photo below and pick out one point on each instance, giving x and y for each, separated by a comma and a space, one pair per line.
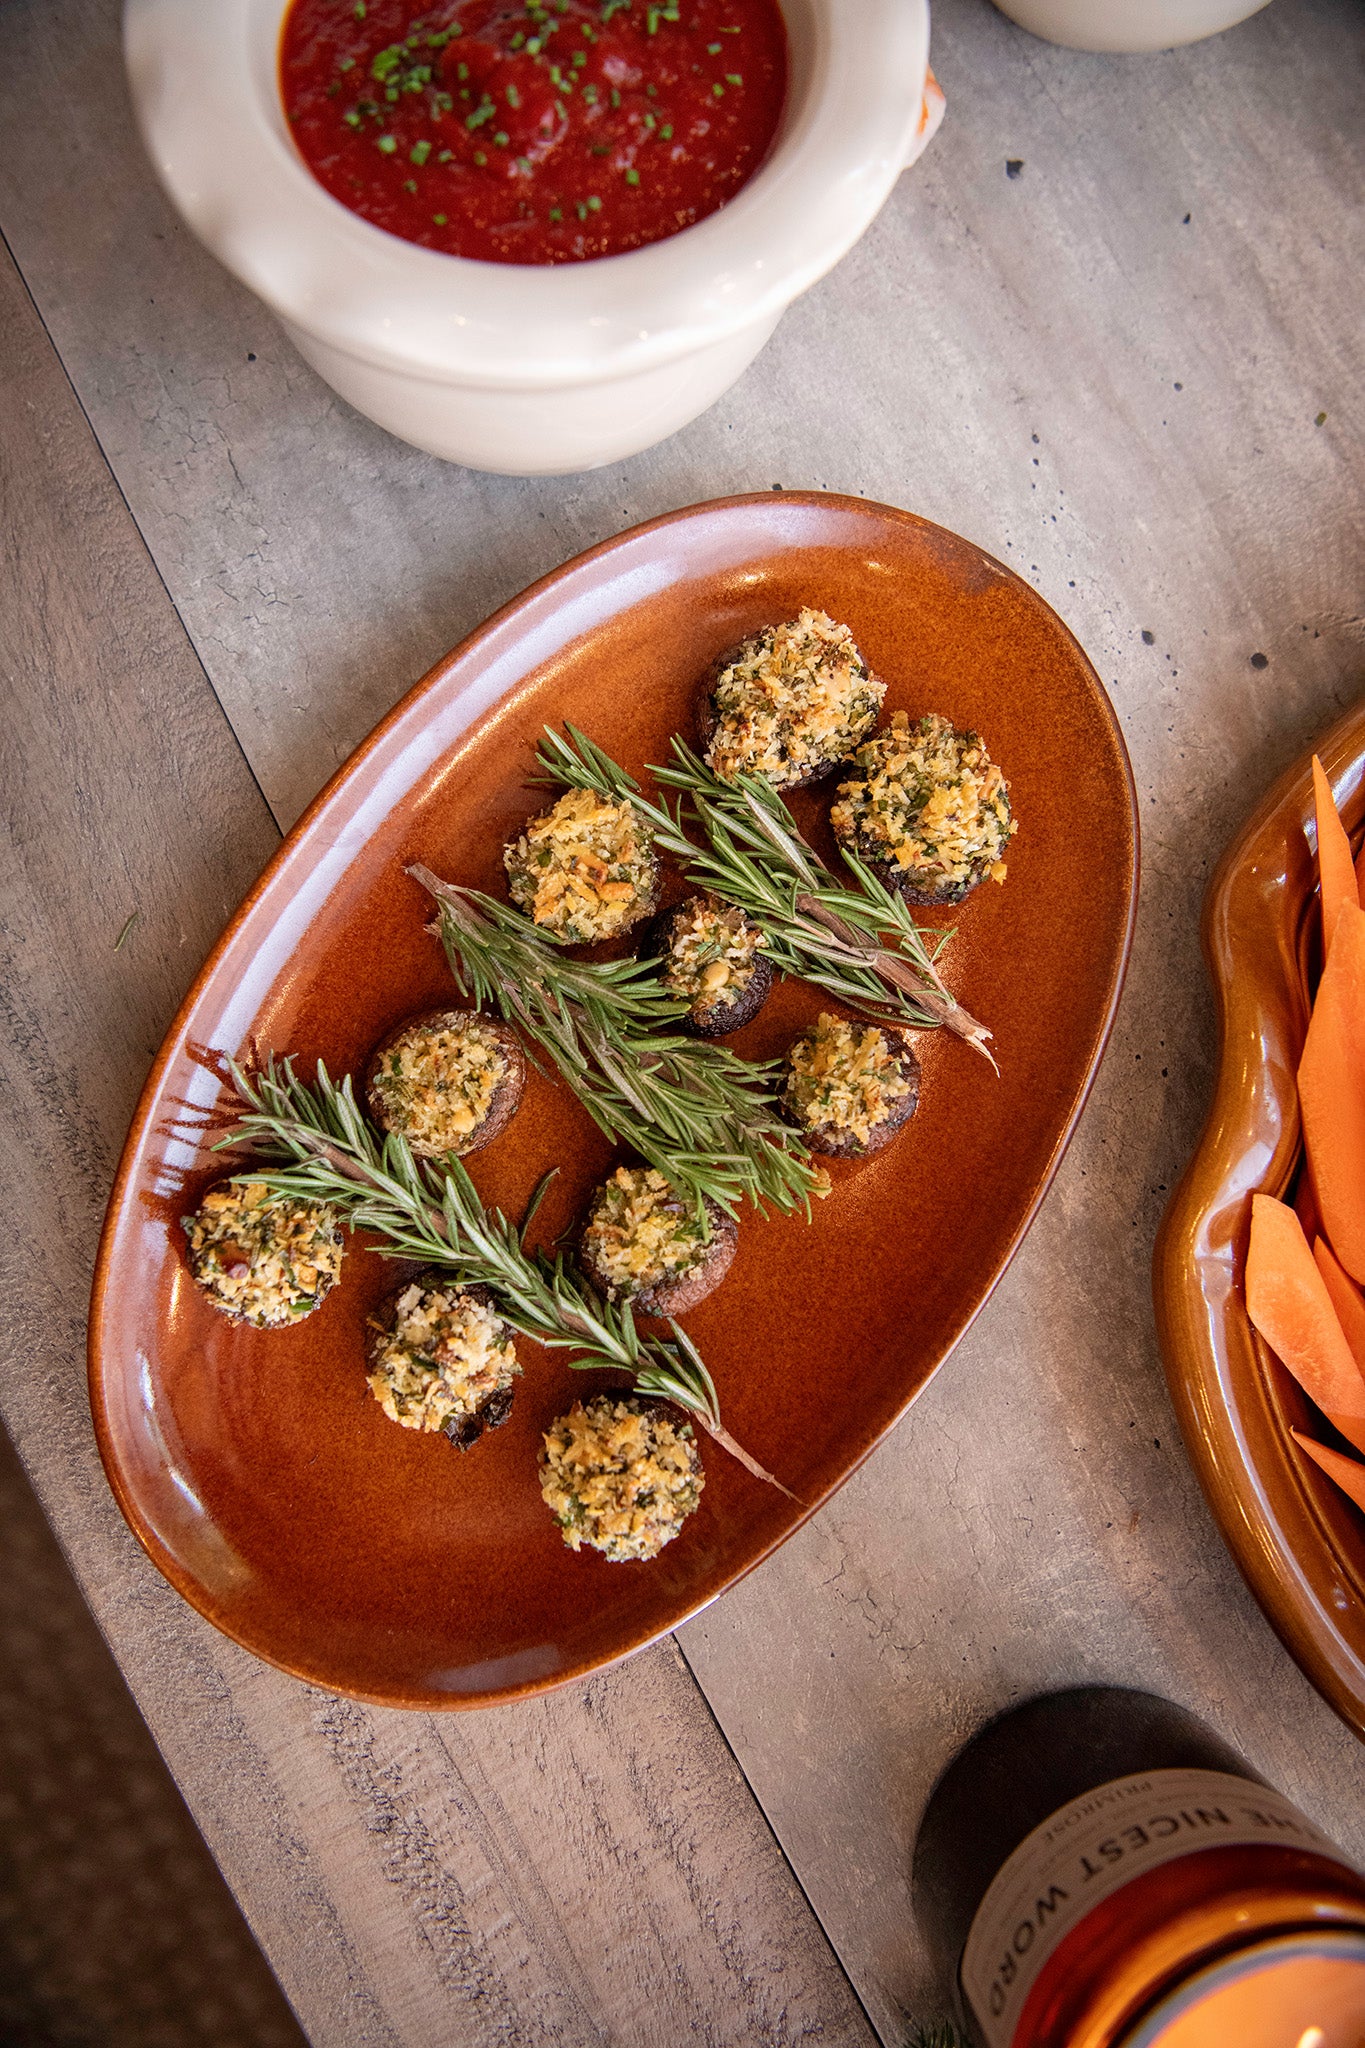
1133, 370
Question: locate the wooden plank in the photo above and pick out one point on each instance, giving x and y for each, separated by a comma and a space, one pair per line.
1035, 1519
590, 1868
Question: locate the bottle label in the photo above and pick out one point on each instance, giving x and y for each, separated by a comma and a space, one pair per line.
1088, 1850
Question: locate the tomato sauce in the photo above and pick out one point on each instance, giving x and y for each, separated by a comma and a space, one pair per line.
519, 132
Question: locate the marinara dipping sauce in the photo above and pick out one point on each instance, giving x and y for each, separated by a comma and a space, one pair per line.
524, 133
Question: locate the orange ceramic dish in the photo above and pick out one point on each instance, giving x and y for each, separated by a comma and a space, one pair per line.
1298, 1542
255, 1466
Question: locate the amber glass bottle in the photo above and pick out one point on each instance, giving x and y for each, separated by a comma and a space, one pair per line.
1101, 1871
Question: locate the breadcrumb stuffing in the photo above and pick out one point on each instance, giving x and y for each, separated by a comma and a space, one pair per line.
847, 1076
640, 1232
794, 702
263, 1259
713, 952
585, 869
446, 1354
929, 801
436, 1082
620, 1476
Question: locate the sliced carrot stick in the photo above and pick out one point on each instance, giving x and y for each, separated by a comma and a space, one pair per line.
1288, 1302
1332, 1093
1348, 1473
1347, 1300
1360, 873
1336, 872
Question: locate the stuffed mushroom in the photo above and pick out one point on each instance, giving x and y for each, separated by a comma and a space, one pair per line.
790, 703
261, 1258
926, 808
440, 1357
642, 1243
711, 958
584, 870
849, 1087
447, 1081
620, 1475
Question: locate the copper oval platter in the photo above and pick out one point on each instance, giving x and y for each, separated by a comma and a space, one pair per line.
256, 1468
1298, 1542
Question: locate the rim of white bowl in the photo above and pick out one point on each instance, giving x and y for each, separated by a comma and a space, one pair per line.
204, 86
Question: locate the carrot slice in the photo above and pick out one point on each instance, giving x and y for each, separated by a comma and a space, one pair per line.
1336, 871
1332, 1093
1360, 873
1348, 1473
1347, 1300
1288, 1302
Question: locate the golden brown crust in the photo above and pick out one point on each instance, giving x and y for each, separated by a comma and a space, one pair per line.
837, 1142
921, 895
506, 1096
714, 1019
674, 1295
462, 1430
803, 698
708, 719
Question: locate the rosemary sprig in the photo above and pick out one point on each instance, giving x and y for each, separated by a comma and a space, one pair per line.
421, 1211
754, 855
694, 1111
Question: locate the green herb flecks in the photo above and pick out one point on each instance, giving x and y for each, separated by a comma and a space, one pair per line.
857, 942
693, 1110
329, 1152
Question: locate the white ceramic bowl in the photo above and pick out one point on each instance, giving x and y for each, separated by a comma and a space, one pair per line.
526, 369
1128, 25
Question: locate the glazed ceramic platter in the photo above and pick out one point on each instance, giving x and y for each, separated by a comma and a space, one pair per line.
1298, 1541
256, 1468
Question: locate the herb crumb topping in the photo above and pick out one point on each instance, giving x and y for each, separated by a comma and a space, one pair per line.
793, 702
620, 1476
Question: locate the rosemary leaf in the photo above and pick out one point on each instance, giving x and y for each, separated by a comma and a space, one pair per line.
701, 1116
329, 1152
752, 854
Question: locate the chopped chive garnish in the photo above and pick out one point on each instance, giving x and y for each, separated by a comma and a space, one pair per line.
360, 10
352, 120
556, 213
581, 210
713, 49
419, 153
719, 91
594, 203
387, 144
346, 64
632, 177
462, 72
615, 97
500, 139
579, 59
410, 185
483, 112
734, 77
438, 220
443, 156
480, 157
666, 134
524, 166
513, 98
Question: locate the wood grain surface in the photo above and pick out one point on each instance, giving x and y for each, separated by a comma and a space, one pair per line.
585, 1871
1129, 366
